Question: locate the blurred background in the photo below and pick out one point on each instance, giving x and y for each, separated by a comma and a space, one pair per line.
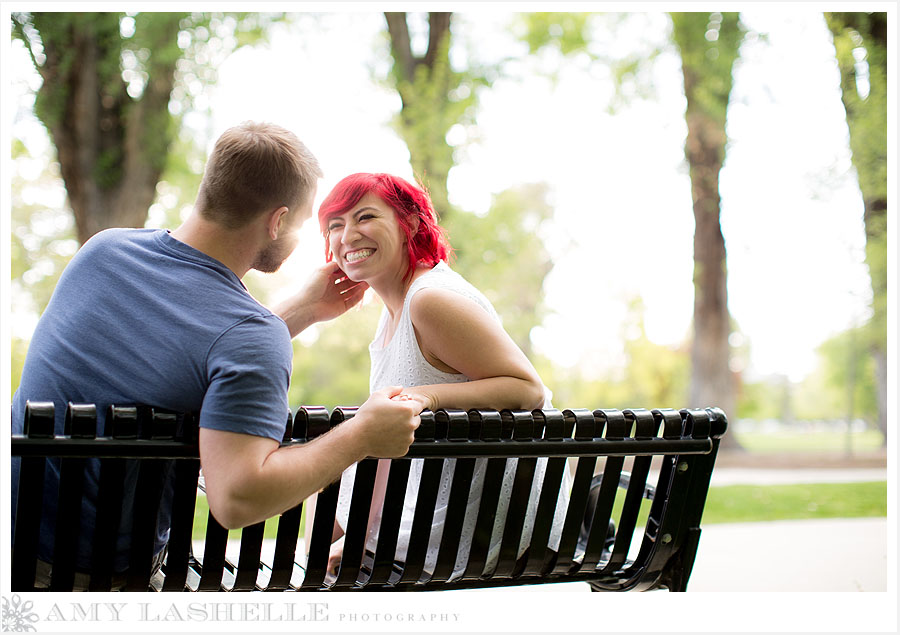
667, 209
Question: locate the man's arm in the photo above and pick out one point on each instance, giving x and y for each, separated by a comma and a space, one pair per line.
250, 478
327, 294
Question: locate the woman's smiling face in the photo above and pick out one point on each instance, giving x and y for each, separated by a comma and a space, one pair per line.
368, 242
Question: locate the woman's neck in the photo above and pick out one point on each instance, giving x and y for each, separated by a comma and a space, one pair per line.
393, 292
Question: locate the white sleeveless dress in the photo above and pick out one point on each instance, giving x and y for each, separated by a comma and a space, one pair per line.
401, 363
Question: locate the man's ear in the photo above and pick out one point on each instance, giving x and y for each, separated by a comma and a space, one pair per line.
275, 221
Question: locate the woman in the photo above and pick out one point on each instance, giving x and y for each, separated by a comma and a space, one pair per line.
438, 336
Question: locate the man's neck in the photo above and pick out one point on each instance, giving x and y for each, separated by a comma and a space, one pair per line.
235, 249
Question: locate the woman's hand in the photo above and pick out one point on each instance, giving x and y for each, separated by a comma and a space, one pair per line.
419, 394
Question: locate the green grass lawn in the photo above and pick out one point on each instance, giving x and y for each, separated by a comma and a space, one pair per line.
751, 503
758, 503
728, 504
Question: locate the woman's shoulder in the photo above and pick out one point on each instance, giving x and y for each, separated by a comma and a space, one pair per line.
442, 289
441, 276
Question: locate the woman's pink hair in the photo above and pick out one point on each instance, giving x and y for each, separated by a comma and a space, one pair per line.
427, 245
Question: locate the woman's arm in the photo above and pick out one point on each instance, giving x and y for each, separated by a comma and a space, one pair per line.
456, 335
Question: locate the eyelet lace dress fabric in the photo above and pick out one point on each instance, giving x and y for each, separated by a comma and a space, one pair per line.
401, 363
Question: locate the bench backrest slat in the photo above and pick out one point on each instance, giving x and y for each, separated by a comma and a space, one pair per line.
575, 513
67, 524
180, 544
391, 516
599, 511
457, 511
522, 424
212, 561
484, 522
152, 475
326, 506
487, 427
285, 549
28, 523
109, 518
357, 523
549, 425
540, 554
80, 423
248, 559
631, 508
423, 516
288, 532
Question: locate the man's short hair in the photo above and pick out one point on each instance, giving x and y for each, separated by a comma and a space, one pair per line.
255, 168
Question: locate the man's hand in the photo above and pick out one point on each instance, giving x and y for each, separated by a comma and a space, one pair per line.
387, 426
418, 394
327, 294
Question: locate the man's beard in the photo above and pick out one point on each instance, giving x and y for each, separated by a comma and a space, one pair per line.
270, 259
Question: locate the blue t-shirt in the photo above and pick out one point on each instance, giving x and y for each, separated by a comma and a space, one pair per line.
139, 317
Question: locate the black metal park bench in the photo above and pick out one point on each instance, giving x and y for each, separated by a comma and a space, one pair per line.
630, 465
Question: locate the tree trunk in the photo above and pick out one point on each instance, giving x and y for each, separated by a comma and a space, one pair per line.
712, 382
708, 44
867, 122
426, 113
111, 147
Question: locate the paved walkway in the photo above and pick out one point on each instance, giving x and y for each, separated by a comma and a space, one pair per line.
750, 476
841, 554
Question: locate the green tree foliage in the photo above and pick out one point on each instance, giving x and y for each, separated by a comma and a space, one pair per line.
770, 398
502, 254
844, 383
568, 32
434, 97
594, 40
43, 236
656, 376
860, 42
333, 370
651, 376
114, 86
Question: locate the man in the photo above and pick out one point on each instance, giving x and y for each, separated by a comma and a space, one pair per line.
151, 317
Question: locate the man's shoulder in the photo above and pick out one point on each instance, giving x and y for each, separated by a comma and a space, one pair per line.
117, 237
117, 234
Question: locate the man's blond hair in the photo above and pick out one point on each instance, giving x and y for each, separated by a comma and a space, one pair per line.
255, 168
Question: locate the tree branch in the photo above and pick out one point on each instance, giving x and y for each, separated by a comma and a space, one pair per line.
401, 48
438, 27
